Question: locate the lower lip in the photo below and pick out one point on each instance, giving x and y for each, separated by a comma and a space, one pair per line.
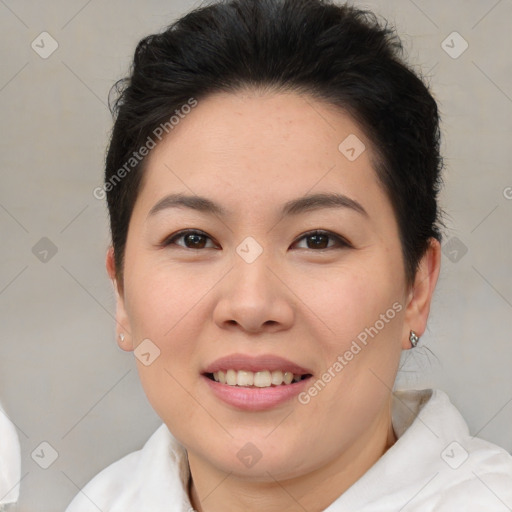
255, 399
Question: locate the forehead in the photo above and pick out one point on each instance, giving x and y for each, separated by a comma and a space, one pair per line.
291, 126
255, 148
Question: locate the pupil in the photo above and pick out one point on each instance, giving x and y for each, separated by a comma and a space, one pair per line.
319, 241
193, 239
317, 237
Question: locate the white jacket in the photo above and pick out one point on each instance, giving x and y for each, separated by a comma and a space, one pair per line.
10, 462
435, 465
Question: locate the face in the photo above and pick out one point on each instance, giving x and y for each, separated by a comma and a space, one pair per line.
258, 284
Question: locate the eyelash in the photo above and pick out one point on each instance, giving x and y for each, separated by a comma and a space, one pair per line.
340, 241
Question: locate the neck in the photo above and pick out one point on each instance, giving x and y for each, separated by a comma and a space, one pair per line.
211, 490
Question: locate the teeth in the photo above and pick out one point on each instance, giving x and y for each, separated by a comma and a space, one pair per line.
245, 379
261, 379
230, 377
277, 377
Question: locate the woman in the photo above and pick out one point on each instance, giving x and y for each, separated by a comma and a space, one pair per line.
272, 184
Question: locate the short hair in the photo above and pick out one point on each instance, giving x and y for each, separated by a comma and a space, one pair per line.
335, 53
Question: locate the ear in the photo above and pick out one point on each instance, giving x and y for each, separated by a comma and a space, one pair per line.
123, 329
420, 295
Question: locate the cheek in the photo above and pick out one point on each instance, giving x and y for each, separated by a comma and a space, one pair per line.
162, 298
163, 306
361, 313
358, 340
346, 303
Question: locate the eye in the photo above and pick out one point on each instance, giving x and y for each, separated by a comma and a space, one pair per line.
193, 239
320, 240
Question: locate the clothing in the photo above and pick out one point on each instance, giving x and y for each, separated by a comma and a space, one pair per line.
435, 465
10, 461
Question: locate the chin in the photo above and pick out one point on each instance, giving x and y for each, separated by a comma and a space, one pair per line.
258, 458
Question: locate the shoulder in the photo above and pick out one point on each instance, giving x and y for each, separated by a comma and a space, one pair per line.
483, 481
462, 470
152, 476
480, 473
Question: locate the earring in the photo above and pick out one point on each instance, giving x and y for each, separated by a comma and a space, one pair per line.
121, 337
413, 338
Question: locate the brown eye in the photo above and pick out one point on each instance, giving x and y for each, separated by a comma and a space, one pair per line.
315, 240
191, 240
320, 240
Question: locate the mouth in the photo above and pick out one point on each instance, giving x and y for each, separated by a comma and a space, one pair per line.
258, 379
255, 383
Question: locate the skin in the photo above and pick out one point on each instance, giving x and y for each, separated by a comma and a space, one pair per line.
252, 152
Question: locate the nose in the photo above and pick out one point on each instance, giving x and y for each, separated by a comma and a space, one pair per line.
253, 298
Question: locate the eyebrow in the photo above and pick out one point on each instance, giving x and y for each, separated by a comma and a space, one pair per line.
293, 207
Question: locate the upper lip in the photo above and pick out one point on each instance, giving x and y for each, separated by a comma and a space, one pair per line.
255, 363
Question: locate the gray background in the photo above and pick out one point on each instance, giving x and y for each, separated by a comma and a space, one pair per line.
63, 379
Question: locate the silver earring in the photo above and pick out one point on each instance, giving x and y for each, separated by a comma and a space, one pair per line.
413, 338
121, 337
